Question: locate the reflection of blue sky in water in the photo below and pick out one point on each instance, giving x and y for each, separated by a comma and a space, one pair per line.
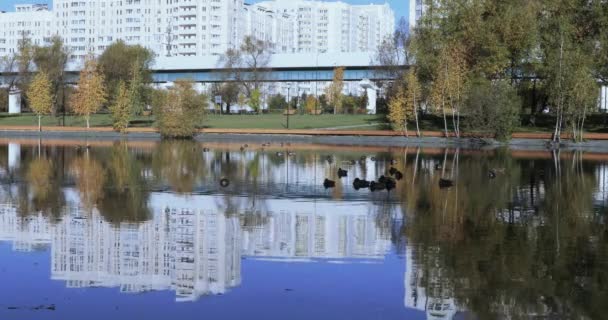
292, 259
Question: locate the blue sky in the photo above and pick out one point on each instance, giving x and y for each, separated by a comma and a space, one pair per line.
400, 6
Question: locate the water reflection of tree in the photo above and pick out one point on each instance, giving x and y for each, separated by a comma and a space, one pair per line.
500, 257
90, 177
179, 164
41, 191
126, 189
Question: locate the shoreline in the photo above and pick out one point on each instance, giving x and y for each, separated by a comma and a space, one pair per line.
596, 142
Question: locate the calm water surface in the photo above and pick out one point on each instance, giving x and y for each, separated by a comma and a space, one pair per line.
185, 230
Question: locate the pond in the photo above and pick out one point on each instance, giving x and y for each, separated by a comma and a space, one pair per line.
190, 230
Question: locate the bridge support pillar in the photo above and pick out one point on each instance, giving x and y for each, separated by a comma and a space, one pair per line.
372, 94
14, 101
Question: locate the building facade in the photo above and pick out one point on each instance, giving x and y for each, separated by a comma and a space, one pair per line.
32, 21
336, 26
198, 27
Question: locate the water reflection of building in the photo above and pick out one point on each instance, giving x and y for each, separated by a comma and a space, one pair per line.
193, 252
426, 290
25, 234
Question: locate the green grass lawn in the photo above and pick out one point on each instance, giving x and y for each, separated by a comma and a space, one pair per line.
266, 121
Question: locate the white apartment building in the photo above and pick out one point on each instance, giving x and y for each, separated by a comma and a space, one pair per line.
336, 26
199, 27
33, 21
265, 24
416, 10
167, 27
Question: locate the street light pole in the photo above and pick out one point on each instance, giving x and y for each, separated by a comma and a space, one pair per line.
288, 106
317, 85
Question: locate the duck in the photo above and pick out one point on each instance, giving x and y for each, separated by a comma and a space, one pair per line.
224, 182
492, 174
291, 153
342, 173
396, 173
329, 184
376, 186
438, 166
388, 182
205, 149
445, 183
394, 162
360, 184
279, 154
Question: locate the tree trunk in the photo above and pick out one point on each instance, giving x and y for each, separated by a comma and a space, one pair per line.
417, 125
445, 120
88, 123
39, 123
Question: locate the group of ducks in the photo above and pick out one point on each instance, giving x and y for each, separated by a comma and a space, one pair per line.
389, 183
383, 183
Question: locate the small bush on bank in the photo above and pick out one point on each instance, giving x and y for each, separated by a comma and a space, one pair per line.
492, 108
179, 110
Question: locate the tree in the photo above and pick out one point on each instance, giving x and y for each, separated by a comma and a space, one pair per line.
91, 92
40, 96
256, 59
393, 52
137, 98
255, 101
8, 65
229, 91
396, 110
122, 62
277, 102
492, 108
121, 108
181, 112
334, 90
52, 60
25, 52
248, 65
403, 105
310, 104
90, 178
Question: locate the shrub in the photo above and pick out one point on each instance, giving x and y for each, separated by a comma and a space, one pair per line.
492, 107
180, 111
277, 102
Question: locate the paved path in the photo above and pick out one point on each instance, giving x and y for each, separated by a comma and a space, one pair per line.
298, 132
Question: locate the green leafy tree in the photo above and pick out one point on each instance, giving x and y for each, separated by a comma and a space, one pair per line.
492, 108
121, 109
277, 102
122, 62
255, 100
52, 60
181, 111
137, 92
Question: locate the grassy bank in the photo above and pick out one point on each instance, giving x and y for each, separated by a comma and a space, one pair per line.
598, 123
266, 121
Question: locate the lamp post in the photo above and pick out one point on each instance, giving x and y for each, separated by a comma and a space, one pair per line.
317, 85
288, 106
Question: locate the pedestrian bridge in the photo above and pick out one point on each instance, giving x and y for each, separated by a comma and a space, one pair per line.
281, 68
